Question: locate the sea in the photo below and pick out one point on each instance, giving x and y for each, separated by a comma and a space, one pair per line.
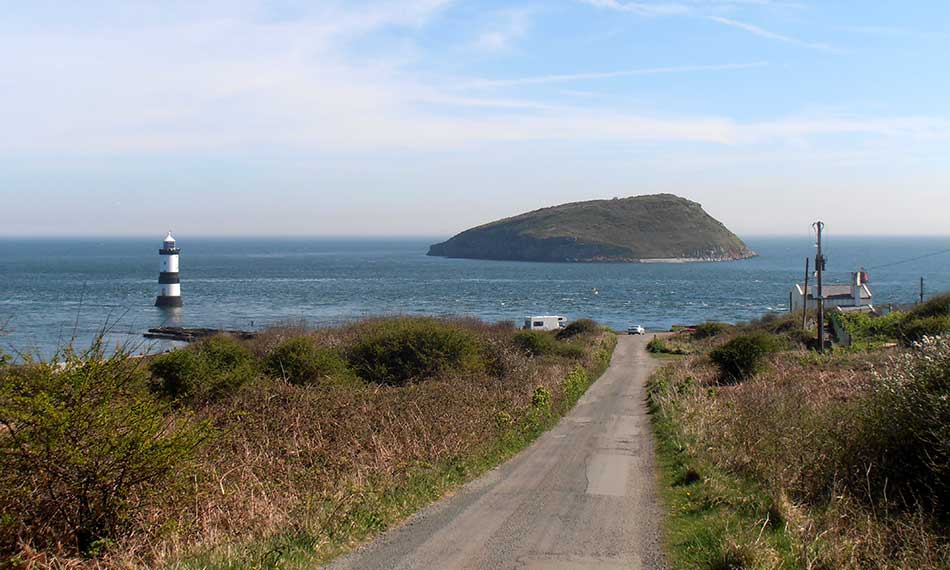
57, 291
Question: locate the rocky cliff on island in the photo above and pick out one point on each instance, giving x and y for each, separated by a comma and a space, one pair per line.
655, 228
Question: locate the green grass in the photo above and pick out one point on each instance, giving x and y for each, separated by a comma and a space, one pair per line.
715, 519
379, 507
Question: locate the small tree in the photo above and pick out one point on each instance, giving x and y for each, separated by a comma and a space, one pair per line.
81, 438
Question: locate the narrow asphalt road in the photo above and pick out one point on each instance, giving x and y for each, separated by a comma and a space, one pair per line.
581, 497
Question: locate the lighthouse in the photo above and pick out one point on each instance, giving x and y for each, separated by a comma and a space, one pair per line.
170, 295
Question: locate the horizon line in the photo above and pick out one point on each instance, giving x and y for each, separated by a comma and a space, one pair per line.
245, 236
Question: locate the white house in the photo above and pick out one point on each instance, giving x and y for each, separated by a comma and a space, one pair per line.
855, 294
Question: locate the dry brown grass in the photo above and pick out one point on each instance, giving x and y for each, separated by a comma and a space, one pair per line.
794, 429
316, 461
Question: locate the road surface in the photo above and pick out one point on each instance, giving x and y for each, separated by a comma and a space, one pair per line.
581, 497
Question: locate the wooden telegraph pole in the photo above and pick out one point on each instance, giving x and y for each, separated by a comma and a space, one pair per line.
921, 290
805, 295
820, 268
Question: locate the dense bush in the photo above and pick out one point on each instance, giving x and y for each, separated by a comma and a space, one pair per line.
540, 343
300, 361
204, 370
742, 356
578, 327
536, 343
709, 329
575, 385
913, 330
402, 351
81, 441
905, 443
863, 326
938, 306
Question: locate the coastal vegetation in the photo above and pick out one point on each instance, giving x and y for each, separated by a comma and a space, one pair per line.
773, 456
657, 227
277, 452
931, 318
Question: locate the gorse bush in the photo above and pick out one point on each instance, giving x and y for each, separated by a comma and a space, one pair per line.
204, 370
300, 361
535, 343
81, 441
575, 385
743, 356
913, 330
709, 329
402, 351
905, 441
863, 326
541, 343
578, 327
938, 306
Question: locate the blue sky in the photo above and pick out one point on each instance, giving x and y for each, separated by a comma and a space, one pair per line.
424, 117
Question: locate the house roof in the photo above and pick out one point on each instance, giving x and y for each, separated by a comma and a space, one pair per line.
835, 291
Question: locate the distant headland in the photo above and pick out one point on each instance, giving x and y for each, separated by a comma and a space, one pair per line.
660, 228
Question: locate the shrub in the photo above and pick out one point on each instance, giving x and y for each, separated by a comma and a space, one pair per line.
204, 370
906, 434
938, 306
915, 329
574, 385
742, 356
708, 329
863, 326
540, 343
541, 399
578, 327
658, 345
300, 361
81, 441
402, 351
536, 343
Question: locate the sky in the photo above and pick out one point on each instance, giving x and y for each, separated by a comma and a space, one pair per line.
426, 117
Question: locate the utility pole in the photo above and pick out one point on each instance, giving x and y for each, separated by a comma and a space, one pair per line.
805, 295
921, 290
820, 268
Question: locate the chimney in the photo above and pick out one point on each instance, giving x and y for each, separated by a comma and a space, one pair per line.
857, 285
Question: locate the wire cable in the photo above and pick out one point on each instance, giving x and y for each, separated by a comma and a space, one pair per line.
919, 257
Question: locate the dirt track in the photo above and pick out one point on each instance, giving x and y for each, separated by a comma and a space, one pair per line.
581, 497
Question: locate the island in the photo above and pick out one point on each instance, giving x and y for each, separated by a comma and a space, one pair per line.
659, 228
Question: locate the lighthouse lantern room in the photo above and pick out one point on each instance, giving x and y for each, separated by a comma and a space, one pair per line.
168, 281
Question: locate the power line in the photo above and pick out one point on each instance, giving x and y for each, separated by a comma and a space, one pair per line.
919, 257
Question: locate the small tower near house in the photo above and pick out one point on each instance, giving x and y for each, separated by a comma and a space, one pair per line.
169, 283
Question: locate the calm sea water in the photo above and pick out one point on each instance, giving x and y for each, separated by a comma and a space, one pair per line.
54, 289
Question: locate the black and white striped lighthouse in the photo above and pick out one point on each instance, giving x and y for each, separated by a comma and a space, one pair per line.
170, 295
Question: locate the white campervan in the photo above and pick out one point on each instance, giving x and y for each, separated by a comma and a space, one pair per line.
545, 323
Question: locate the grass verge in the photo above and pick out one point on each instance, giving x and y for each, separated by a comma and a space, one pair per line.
715, 520
805, 461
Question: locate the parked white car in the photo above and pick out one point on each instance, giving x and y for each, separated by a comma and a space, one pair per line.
636, 329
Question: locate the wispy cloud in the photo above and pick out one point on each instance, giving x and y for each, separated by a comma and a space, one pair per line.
563, 78
894, 32
763, 33
238, 84
643, 8
712, 10
511, 26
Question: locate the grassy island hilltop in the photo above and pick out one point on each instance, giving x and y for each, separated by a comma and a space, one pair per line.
660, 227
